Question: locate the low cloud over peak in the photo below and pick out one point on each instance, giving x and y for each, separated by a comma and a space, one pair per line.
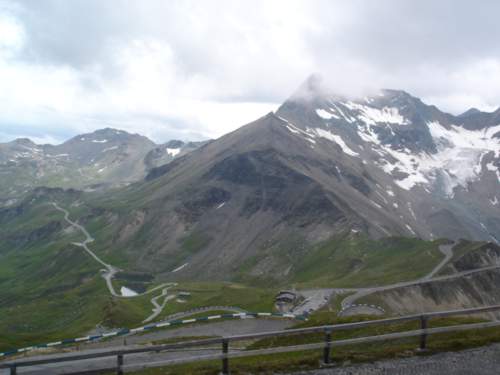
183, 69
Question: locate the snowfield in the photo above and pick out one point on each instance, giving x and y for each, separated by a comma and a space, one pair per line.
173, 151
458, 160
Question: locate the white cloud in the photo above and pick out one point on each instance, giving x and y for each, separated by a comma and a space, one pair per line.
11, 35
184, 69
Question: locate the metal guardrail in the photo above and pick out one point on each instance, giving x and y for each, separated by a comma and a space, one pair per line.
326, 345
161, 324
198, 310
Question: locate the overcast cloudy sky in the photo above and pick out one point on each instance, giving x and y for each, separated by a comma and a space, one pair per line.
198, 69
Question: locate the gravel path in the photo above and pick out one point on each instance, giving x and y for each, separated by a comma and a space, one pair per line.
479, 361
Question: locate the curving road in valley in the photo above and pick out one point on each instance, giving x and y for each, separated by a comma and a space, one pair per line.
315, 299
447, 251
348, 303
110, 271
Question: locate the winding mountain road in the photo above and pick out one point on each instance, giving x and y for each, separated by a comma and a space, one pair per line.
348, 303
110, 271
157, 307
448, 254
313, 302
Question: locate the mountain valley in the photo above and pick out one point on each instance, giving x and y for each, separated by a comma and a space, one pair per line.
326, 192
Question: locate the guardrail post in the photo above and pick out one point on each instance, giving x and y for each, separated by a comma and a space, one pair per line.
327, 348
13, 370
119, 364
225, 360
423, 336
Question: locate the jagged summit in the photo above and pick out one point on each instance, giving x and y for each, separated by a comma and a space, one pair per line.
24, 141
316, 89
470, 112
108, 135
105, 157
174, 143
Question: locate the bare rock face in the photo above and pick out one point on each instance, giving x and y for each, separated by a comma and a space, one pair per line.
483, 256
475, 290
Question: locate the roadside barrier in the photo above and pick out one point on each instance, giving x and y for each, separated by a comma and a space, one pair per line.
127, 331
326, 345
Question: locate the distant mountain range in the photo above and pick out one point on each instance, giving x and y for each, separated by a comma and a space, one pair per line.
104, 158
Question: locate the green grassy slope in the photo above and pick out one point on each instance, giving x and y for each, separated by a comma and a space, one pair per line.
358, 261
352, 260
50, 289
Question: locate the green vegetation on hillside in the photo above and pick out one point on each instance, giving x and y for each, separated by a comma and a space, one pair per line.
355, 261
349, 260
50, 289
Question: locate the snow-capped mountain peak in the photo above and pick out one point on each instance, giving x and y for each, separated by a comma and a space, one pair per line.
413, 142
411, 148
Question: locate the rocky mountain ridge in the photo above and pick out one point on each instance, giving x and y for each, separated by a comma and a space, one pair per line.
103, 158
411, 149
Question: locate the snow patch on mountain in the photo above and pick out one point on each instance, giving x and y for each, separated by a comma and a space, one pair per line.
127, 292
460, 151
456, 163
410, 229
372, 116
180, 268
346, 117
296, 130
335, 138
491, 167
173, 151
326, 115
109, 148
459, 137
293, 130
